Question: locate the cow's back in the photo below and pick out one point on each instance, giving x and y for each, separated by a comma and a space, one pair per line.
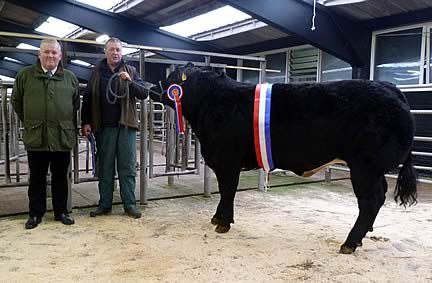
312, 124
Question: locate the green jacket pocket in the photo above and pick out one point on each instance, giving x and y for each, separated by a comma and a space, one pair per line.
32, 135
67, 134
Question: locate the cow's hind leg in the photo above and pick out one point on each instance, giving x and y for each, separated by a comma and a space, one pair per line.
370, 192
224, 215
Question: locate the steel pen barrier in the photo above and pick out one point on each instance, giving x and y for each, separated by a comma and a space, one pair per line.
405, 89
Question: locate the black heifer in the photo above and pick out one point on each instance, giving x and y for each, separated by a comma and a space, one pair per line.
368, 124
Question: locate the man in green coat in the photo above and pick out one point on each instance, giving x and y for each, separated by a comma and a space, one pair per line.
46, 98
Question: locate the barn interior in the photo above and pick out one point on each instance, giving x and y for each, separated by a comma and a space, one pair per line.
285, 41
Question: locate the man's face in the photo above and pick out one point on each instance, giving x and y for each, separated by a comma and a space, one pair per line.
113, 53
50, 55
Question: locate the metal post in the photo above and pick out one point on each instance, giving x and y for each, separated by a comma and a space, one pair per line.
207, 171
143, 139
197, 155
15, 130
170, 144
151, 139
170, 140
239, 71
76, 156
261, 174
185, 148
87, 156
327, 174
5, 134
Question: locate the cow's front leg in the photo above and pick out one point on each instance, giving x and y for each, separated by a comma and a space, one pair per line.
224, 215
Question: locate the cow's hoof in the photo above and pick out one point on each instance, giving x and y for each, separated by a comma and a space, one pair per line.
346, 250
359, 244
371, 229
222, 229
215, 221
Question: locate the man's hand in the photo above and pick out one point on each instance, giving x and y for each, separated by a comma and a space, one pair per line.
86, 130
125, 76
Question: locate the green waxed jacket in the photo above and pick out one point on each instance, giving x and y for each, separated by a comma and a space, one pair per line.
47, 107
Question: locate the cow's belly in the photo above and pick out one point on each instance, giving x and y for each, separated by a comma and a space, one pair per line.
313, 171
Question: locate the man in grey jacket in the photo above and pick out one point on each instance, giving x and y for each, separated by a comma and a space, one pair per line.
46, 98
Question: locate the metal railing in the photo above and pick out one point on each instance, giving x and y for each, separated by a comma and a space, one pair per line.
406, 90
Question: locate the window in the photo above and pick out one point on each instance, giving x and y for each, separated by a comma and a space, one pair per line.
334, 69
251, 76
276, 66
398, 56
303, 65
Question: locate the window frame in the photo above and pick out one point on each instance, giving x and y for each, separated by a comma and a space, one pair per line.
423, 48
428, 62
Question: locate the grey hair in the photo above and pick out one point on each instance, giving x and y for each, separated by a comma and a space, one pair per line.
113, 39
50, 41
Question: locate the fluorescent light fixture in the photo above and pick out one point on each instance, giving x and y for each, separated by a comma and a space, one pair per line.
5, 78
338, 2
12, 60
104, 5
399, 65
208, 21
127, 50
102, 38
27, 46
56, 27
82, 63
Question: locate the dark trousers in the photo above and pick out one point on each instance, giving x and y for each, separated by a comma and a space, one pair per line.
58, 162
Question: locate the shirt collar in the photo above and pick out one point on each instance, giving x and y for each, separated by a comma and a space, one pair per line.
52, 71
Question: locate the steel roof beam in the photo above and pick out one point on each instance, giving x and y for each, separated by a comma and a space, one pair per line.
273, 44
7, 73
334, 34
82, 73
9, 27
409, 18
11, 66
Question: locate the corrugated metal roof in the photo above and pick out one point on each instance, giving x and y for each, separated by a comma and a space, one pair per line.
166, 12
372, 9
15, 14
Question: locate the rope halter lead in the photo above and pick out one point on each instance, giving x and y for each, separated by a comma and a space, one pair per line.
174, 93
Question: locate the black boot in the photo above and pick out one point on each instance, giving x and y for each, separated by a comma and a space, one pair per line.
64, 218
100, 211
133, 212
32, 222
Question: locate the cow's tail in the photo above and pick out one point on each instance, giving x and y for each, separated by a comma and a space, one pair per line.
406, 184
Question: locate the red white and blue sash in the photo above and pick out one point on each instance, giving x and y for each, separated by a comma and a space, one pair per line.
261, 124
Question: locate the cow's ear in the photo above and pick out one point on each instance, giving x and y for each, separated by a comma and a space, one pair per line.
219, 71
207, 68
